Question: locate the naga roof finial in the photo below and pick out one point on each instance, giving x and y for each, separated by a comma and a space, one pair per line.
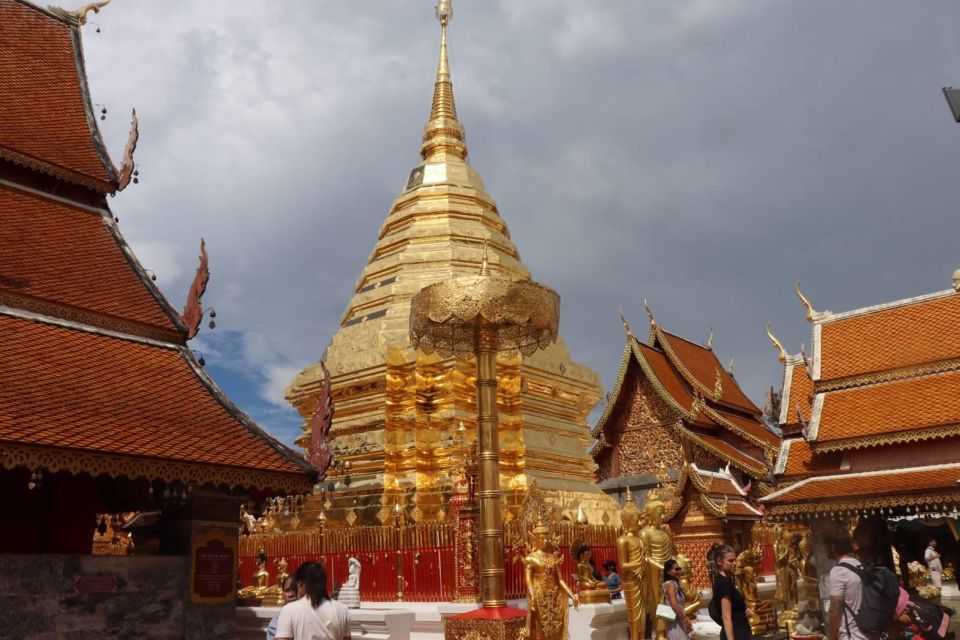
709, 344
812, 313
79, 15
127, 167
626, 325
653, 321
783, 352
730, 366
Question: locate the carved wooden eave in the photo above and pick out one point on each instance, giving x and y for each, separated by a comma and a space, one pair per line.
615, 391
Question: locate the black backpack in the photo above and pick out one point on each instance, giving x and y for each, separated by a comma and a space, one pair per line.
879, 593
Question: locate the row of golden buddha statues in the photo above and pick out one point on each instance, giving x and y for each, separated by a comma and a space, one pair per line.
644, 546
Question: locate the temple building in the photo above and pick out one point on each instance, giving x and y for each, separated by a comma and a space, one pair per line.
104, 409
871, 421
398, 411
675, 417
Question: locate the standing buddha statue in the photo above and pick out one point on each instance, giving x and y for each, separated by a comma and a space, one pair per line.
547, 593
630, 554
808, 572
785, 558
658, 548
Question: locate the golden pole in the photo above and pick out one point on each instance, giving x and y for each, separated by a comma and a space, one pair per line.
398, 523
492, 589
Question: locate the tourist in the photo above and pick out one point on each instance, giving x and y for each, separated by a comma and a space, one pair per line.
844, 585
314, 616
289, 594
932, 558
728, 608
612, 580
680, 627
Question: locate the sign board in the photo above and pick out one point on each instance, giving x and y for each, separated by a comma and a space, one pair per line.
95, 584
213, 567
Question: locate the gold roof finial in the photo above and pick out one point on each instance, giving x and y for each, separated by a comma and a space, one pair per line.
79, 15
709, 344
653, 322
730, 366
811, 312
443, 134
783, 352
626, 325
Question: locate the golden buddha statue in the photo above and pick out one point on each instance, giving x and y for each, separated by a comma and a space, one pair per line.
590, 590
657, 549
691, 594
630, 554
261, 579
547, 593
809, 579
787, 565
762, 616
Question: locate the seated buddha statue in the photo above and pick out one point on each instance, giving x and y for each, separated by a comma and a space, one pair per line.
590, 587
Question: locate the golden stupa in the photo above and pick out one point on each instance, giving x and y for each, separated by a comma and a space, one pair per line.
397, 410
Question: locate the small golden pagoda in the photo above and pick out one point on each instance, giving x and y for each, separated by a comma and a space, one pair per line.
397, 411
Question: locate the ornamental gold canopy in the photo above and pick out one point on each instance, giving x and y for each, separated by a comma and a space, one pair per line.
447, 316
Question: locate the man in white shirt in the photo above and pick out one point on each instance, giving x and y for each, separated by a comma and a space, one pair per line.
844, 586
932, 558
315, 616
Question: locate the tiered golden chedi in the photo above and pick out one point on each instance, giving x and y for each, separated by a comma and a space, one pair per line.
397, 411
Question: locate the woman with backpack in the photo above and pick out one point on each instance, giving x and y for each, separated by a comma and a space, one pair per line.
727, 607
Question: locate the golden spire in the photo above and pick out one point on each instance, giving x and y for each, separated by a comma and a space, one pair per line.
443, 134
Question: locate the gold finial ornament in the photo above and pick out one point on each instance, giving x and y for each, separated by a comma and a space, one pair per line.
783, 352
443, 134
444, 11
79, 15
485, 265
709, 344
812, 314
626, 325
653, 322
730, 366
581, 516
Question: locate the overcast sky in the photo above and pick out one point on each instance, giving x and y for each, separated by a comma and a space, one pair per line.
703, 155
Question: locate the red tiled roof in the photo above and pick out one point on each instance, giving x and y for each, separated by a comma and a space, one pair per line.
56, 253
740, 508
42, 105
800, 396
872, 483
702, 363
915, 333
752, 427
666, 375
800, 460
69, 388
890, 408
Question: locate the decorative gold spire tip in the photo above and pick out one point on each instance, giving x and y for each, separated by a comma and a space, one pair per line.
444, 11
79, 16
626, 325
709, 344
812, 314
776, 343
646, 306
485, 265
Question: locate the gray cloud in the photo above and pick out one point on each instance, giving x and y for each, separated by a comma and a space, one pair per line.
703, 155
